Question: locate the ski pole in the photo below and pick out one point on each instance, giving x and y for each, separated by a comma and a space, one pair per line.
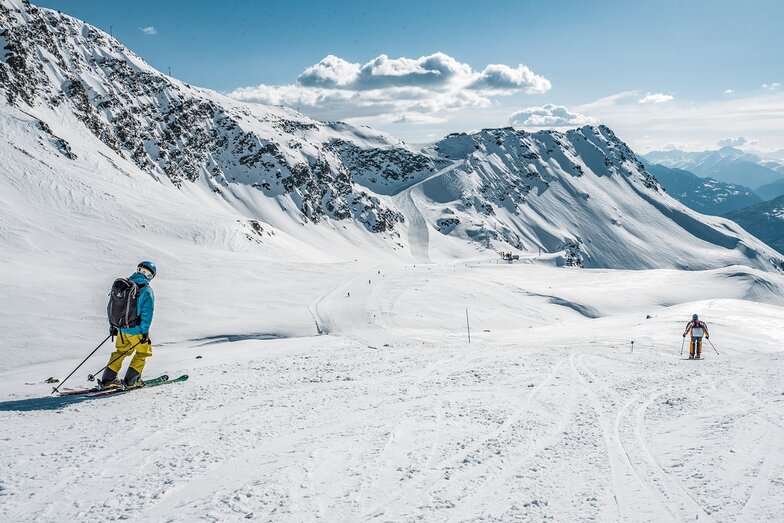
714, 348
55, 389
91, 377
682, 344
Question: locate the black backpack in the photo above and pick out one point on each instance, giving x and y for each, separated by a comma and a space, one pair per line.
122, 304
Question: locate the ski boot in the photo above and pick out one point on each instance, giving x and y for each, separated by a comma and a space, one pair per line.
132, 379
112, 384
109, 380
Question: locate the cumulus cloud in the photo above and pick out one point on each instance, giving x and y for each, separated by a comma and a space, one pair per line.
735, 142
732, 142
771, 86
728, 91
331, 71
549, 115
149, 30
655, 98
502, 77
395, 88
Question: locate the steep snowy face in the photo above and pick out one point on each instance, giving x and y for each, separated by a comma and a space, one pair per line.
582, 193
182, 134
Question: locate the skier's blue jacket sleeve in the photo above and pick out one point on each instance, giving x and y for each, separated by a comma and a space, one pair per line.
145, 305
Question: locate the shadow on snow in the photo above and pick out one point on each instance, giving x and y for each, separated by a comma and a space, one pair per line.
45, 403
231, 338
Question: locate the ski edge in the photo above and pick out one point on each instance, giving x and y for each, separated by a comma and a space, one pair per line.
150, 384
95, 389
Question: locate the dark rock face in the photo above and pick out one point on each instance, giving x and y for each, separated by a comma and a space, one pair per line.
384, 170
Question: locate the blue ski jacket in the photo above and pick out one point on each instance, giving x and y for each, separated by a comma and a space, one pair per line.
145, 305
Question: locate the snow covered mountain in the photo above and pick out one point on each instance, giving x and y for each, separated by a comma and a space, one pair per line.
764, 220
704, 195
82, 109
728, 164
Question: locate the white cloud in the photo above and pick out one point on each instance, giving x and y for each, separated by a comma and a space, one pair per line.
655, 98
771, 86
414, 118
735, 142
331, 71
503, 77
549, 115
695, 124
732, 142
728, 91
149, 30
396, 89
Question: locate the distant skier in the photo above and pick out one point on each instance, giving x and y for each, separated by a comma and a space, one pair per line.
136, 335
698, 330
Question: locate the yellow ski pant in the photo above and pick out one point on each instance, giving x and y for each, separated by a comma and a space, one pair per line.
140, 353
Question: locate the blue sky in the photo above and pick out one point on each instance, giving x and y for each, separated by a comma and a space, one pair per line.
657, 72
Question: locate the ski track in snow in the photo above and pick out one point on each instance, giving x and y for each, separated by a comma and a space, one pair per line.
571, 427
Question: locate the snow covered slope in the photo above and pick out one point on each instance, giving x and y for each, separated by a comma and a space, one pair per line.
581, 196
547, 415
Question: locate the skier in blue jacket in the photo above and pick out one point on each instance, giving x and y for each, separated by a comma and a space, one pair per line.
136, 338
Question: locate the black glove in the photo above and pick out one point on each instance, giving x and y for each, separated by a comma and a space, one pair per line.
146, 338
112, 331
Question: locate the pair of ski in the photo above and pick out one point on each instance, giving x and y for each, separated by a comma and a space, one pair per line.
97, 392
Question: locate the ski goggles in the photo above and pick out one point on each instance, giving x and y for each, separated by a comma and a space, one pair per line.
147, 272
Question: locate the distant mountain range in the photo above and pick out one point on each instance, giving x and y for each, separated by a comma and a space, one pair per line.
705, 195
728, 164
770, 191
764, 220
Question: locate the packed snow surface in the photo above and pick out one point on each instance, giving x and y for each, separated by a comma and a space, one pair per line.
549, 413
